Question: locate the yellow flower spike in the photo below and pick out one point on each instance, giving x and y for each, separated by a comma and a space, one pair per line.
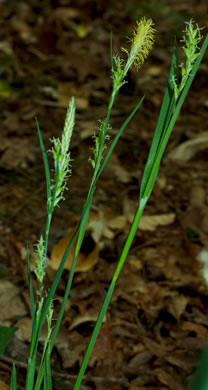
141, 43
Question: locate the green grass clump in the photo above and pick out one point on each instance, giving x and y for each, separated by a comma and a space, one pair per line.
179, 82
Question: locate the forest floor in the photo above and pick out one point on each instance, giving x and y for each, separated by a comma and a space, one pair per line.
157, 322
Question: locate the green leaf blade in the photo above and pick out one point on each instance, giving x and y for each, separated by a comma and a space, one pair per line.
6, 335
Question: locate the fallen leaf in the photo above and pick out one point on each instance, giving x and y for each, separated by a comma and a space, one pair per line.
15, 152
181, 359
116, 169
197, 196
177, 305
64, 14
134, 387
103, 348
71, 357
89, 251
84, 262
188, 149
140, 359
91, 316
67, 90
167, 379
24, 31
200, 330
3, 386
171, 270
88, 129
11, 304
154, 70
151, 222
134, 283
24, 331
96, 226
136, 263
117, 222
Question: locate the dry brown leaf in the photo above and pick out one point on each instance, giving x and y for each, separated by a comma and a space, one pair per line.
24, 330
117, 222
188, 149
84, 262
108, 233
181, 359
24, 31
66, 90
197, 196
96, 225
154, 70
88, 129
151, 222
103, 349
134, 283
136, 263
89, 252
83, 318
70, 357
117, 170
161, 181
64, 14
157, 349
134, 387
140, 358
169, 380
3, 386
11, 304
200, 330
15, 152
171, 270
177, 305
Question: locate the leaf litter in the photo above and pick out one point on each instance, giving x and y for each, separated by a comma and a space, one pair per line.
157, 321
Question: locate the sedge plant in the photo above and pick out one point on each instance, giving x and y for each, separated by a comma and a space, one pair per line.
179, 82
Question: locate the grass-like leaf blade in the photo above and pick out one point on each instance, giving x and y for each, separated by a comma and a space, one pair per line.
45, 160
163, 120
6, 335
13, 384
200, 381
32, 301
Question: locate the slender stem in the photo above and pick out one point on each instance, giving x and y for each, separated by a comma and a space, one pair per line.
104, 308
47, 229
79, 239
83, 225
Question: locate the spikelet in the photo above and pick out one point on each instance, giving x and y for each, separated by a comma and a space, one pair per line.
141, 43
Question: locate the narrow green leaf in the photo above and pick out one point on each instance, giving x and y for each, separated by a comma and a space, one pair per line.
111, 49
32, 301
47, 373
45, 160
13, 384
31, 370
150, 179
163, 120
162, 135
55, 283
109, 294
193, 73
116, 138
94, 336
200, 381
182, 97
83, 222
6, 335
